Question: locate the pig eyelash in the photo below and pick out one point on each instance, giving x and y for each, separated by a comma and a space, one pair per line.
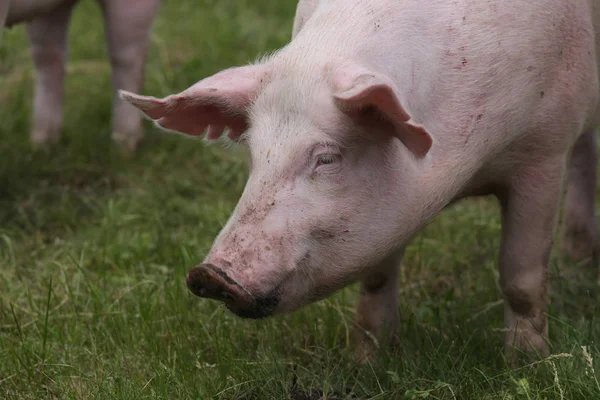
326, 159
328, 154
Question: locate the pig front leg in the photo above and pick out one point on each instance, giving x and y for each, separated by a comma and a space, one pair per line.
48, 39
377, 316
128, 25
529, 210
580, 233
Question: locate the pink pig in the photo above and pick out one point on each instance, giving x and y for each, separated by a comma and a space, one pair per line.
128, 24
376, 116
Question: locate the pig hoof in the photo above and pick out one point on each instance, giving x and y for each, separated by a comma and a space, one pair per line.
580, 244
127, 143
366, 347
581, 252
364, 355
41, 139
524, 345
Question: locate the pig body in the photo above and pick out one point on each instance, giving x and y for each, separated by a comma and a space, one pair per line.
376, 116
128, 24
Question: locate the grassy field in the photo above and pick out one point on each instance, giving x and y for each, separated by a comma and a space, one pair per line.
94, 248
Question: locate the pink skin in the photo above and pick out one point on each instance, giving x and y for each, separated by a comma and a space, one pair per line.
128, 24
373, 119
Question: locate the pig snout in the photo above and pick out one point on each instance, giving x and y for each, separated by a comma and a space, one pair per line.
209, 281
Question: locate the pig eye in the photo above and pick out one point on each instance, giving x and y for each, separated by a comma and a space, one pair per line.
326, 159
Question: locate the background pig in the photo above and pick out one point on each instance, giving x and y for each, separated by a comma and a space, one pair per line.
375, 117
128, 25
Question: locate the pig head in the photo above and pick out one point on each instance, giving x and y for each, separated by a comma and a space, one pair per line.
321, 204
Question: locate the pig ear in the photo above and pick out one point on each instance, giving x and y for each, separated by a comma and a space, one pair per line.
356, 92
215, 103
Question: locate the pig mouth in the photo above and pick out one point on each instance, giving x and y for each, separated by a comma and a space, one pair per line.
208, 281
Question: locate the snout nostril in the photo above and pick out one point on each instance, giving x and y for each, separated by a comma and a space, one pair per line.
208, 281
227, 295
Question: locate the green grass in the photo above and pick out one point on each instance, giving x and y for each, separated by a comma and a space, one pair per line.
94, 248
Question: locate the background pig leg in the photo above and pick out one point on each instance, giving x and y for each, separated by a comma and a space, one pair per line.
128, 26
377, 316
529, 211
580, 234
48, 38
